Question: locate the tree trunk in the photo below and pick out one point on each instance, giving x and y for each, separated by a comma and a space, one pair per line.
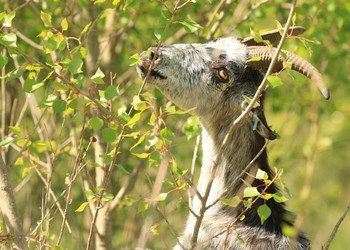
9, 210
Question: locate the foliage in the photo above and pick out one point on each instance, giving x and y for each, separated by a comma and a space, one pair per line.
82, 136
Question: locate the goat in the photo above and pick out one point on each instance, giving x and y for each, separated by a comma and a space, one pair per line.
213, 78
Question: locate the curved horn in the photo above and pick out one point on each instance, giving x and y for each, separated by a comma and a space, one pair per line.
298, 64
273, 36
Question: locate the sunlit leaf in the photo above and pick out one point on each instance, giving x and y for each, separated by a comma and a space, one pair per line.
98, 76
64, 24
134, 119
278, 197
7, 141
90, 194
107, 197
161, 197
7, 20
190, 25
9, 39
232, 202
141, 139
46, 18
142, 156
274, 81
82, 207
138, 104
251, 192
261, 175
257, 37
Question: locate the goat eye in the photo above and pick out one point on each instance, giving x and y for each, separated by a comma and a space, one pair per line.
222, 74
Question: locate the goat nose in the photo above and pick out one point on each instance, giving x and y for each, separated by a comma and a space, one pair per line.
154, 53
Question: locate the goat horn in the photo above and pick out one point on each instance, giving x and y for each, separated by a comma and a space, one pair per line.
273, 36
298, 64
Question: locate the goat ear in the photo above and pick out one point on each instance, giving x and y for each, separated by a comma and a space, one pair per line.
260, 124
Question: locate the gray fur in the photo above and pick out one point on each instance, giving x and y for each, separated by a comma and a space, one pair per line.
188, 75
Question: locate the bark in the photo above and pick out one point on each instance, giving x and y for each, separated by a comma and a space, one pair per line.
9, 210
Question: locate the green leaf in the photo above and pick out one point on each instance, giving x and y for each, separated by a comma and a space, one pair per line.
15, 130
30, 85
138, 104
279, 27
278, 197
9, 39
89, 194
161, 197
287, 65
134, 119
14, 74
142, 206
249, 100
64, 24
134, 59
97, 77
264, 212
2, 15
99, 189
167, 134
142, 156
3, 61
6, 142
57, 248
233, 202
141, 139
254, 59
163, 33
75, 65
86, 28
108, 135
96, 123
190, 25
82, 207
46, 18
107, 197
110, 92
251, 192
7, 21
154, 159
99, 1
116, 2
257, 37
59, 106
122, 169
294, 19
274, 81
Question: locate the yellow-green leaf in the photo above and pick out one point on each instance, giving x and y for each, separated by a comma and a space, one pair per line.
46, 18
64, 24
81, 207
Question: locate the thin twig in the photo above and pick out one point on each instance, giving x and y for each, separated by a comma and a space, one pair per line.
335, 229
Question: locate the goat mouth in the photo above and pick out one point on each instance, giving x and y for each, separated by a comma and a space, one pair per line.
154, 73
